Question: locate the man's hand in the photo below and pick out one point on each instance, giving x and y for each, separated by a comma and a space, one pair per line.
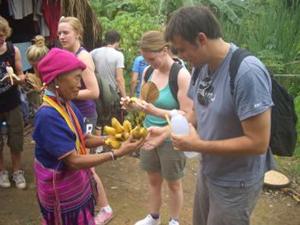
186, 142
156, 137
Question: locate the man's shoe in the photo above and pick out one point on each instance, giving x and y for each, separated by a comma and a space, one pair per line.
19, 179
148, 220
4, 179
103, 217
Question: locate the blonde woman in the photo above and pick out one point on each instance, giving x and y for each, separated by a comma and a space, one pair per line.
163, 163
36, 51
70, 34
10, 110
34, 54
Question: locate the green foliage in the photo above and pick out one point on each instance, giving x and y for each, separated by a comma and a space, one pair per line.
270, 29
131, 27
131, 19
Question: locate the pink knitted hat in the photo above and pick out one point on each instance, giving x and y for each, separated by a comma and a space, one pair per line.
57, 62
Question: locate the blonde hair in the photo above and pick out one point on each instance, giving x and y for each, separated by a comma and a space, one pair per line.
153, 41
4, 27
75, 24
38, 50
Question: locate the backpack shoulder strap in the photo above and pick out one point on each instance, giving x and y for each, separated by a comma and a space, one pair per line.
12, 53
235, 62
173, 79
148, 72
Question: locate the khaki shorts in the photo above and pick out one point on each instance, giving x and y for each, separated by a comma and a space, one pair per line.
15, 129
165, 160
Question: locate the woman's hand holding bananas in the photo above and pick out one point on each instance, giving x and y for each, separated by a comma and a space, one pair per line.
130, 145
132, 104
118, 133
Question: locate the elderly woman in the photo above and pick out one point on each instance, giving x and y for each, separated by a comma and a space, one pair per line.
65, 185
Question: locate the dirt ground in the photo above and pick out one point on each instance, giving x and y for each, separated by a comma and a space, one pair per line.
127, 191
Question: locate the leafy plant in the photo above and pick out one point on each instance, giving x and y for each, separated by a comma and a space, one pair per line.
270, 29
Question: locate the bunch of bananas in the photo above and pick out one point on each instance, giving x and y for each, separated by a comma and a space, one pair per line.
117, 133
136, 118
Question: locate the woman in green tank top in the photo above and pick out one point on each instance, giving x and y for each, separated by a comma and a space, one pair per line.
163, 162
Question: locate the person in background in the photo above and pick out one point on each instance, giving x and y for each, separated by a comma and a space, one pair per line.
34, 54
109, 62
64, 180
70, 35
138, 67
10, 111
162, 163
233, 128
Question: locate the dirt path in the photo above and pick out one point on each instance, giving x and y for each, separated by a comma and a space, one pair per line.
127, 190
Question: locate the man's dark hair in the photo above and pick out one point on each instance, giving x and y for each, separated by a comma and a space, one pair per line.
112, 37
187, 22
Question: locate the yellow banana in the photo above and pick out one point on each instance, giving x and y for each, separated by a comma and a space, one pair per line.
133, 99
109, 130
143, 132
113, 143
119, 136
125, 136
136, 132
116, 124
127, 126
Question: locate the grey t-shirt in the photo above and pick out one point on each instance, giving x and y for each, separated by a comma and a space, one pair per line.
107, 60
221, 118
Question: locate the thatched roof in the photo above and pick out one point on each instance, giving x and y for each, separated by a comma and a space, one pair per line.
83, 11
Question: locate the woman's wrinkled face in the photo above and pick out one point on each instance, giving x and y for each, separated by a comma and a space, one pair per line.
67, 36
155, 59
69, 84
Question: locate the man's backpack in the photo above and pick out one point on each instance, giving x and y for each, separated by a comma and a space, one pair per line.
283, 118
108, 103
173, 77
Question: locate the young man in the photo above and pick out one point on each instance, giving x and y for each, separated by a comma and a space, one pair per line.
10, 109
233, 130
109, 62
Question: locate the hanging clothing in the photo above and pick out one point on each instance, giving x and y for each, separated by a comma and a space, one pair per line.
19, 9
52, 11
39, 18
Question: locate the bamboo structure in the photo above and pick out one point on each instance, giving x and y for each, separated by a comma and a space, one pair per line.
81, 9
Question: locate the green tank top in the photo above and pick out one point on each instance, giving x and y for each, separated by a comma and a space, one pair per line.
165, 101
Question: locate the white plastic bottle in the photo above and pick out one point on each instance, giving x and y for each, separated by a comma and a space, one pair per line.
180, 125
